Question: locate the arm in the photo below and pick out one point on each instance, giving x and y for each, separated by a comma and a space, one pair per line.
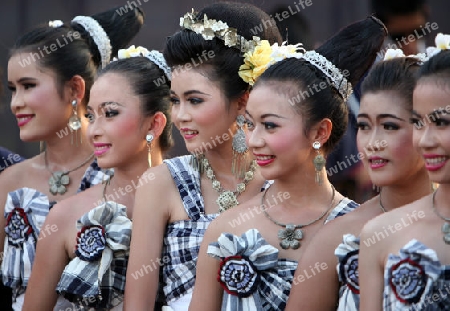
5, 185
318, 291
371, 268
150, 217
50, 261
208, 293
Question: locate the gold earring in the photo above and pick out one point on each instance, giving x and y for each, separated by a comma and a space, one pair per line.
75, 123
319, 162
149, 138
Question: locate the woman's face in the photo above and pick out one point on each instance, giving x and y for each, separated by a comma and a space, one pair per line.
117, 127
200, 110
275, 133
41, 111
385, 139
431, 116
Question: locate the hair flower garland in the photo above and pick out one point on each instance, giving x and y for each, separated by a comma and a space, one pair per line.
211, 28
442, 43
263, 56
393, 53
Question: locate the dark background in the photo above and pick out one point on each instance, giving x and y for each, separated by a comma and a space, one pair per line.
324, 17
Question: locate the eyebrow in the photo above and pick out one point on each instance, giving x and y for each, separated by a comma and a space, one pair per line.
23, 79
266, 115
190, 92
380, 116
104, 104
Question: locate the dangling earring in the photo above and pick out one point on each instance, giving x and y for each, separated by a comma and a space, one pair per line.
240, 161
319, 162
196, 162
75, 123
149, 138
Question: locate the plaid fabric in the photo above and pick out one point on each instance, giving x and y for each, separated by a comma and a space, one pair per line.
31, 207
416, 280
96, 277
347, 269
182, 239
94, 175
345, 206
274, 286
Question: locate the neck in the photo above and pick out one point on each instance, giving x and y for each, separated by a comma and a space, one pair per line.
63, 154
442, 199
303, 189
416, 187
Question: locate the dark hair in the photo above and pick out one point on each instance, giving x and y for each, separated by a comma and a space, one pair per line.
353, 49
437, 67
77, 53
148, 82
186, 45
386, 9
293, 29
398, 74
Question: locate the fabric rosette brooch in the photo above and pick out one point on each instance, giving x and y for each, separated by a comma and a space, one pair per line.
263, 56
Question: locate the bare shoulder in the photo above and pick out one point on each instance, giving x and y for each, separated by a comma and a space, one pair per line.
12, 178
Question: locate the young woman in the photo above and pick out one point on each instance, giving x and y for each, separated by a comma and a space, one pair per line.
409, 269
50, 73
127, 127
296, 115
173, 211
385, 143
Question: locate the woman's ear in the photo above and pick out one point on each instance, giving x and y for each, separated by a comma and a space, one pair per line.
157, 124
242, 102
76, 88
321, 131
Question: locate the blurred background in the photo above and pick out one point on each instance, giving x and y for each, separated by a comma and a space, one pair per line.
310, 25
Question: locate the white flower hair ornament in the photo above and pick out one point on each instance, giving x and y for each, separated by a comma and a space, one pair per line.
154, 56
55, 23
442, 42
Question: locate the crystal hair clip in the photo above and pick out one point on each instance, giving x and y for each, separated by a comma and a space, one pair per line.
211, 28
99, 36
55, 23
154, 56
338, 80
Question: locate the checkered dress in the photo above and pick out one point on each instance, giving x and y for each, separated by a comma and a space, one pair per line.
182, 239
416, 280
95, 278
347, 269
265, 280
25, 213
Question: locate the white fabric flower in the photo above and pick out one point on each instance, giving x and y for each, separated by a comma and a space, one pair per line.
393, 53
56, 23
432, 50
442, 41
285, 51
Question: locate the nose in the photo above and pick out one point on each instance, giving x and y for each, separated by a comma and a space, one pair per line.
425, 137
16, 102
376, 141
95, 128
181, 112
254, 139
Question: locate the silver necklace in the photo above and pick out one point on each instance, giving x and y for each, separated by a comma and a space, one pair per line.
228, 199
292, 234
446, 226
60, 179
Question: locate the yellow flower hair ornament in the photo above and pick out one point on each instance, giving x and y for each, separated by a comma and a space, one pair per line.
263, 56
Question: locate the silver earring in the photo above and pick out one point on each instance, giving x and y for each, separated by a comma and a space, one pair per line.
149, 138
319, 162
75, 123
240, 161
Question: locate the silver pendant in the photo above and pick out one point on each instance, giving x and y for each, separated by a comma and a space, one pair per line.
58, 182
446, 231
290, 237
74, 123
